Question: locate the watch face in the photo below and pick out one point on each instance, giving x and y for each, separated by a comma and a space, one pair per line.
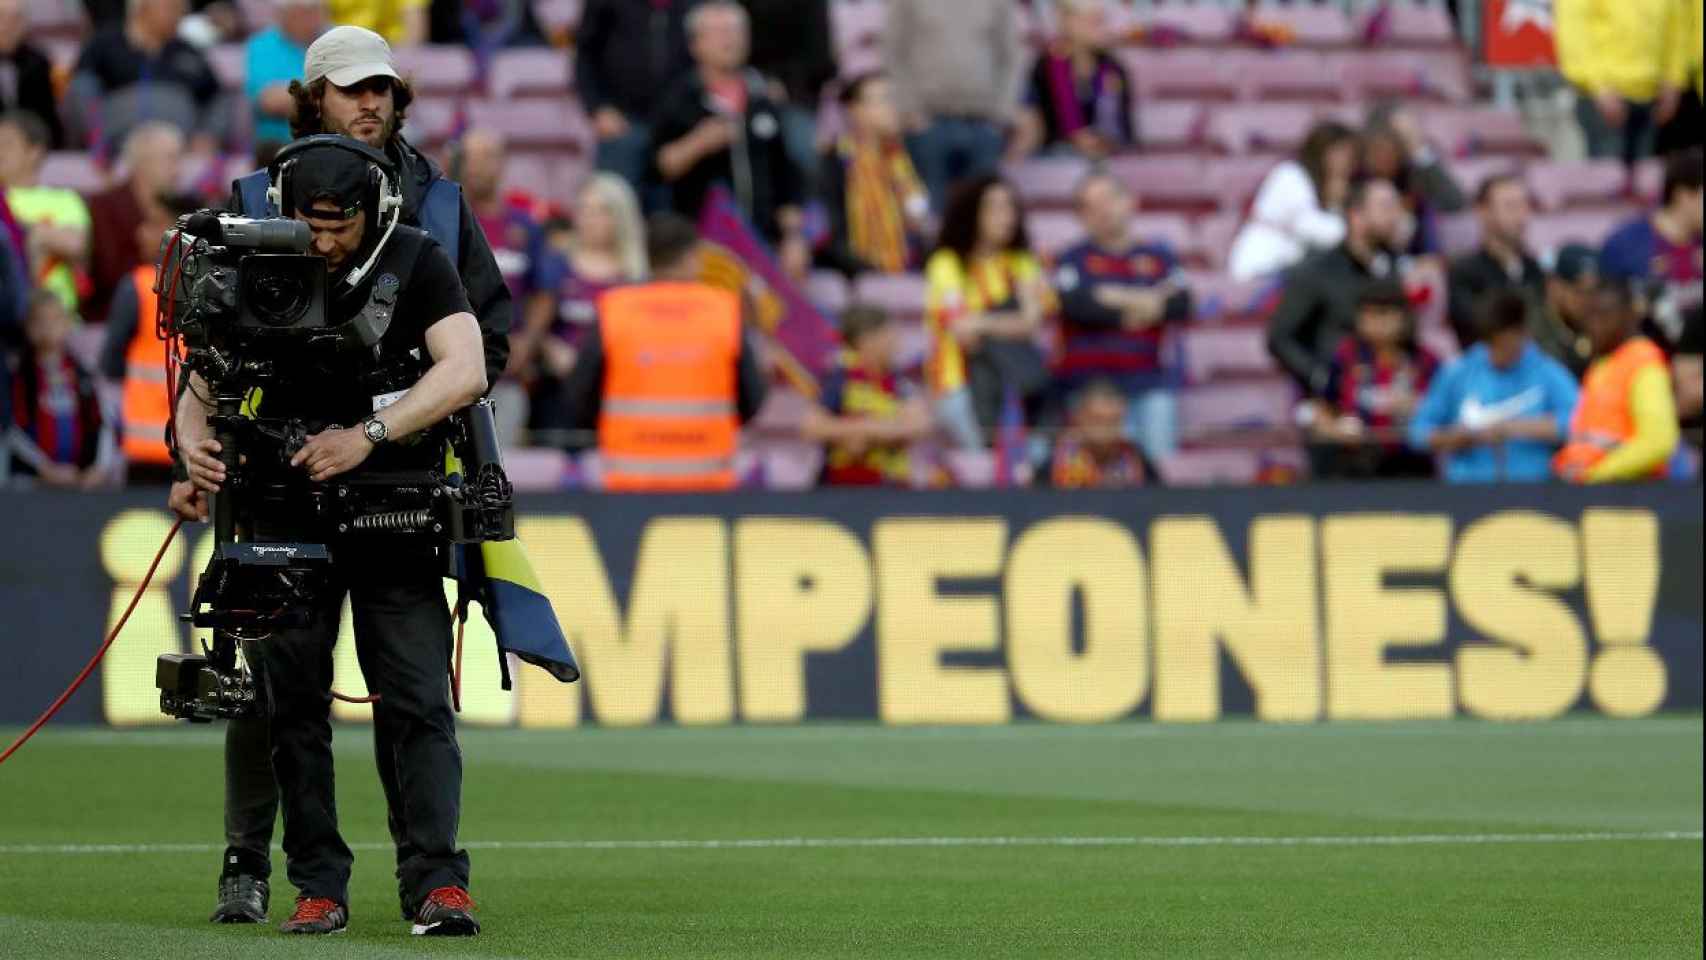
375, 430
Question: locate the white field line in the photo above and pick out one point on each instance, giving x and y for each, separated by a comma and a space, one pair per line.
818, 843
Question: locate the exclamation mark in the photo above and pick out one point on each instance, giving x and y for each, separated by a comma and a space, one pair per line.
1620, 565
128, 544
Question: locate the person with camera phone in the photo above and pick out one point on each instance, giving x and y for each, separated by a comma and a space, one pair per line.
350, 86
396, 352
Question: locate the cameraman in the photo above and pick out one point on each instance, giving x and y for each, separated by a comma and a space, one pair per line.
351, 86
402, 625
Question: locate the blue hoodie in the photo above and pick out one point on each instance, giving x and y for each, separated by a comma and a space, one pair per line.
1472, 392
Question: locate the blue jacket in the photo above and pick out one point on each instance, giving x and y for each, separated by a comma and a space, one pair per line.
1472, 392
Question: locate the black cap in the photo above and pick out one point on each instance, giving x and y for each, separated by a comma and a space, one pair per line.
329, 180
1576, 262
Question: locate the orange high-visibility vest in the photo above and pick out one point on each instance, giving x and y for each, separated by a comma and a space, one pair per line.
146, 405
671, 354
1604, 420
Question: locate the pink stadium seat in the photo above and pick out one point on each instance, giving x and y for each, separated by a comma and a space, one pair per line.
1223, 408
1242, 128
1167, 182
901, 294
437, 68
1304, 76
1315, 25
1551, 231
537, 469
1220, 299
1052, 231
229, 63
828, 291
914, 345
783, 412
1171, 229
431, 120
1169, 124
1440, 341
1479, 130
1183, 75
1459, 232
1379, 74
1561, 186
789, 465
1199, 23
1048, 181
73, 170
530, 72
1415, 25
857, 24
525, 171
1218, 352
971, 469
1207, 468
52, 19
555, 124
1238, 178
1650, 179
557, 16
1471, 172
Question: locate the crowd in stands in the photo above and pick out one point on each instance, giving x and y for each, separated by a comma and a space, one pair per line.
1077, 243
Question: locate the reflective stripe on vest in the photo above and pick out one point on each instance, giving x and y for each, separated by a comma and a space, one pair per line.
146, 406
668, 420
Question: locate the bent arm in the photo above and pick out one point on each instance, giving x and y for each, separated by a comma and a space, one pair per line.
456, 378
1656, 431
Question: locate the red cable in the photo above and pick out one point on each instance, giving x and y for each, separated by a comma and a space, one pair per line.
90, 667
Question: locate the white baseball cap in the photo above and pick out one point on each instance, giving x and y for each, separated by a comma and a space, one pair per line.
348, 55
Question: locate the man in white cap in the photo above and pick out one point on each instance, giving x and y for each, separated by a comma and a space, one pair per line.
351, 86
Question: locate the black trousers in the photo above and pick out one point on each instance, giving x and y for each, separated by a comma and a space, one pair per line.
403, 642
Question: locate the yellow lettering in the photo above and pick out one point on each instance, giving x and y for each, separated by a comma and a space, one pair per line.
804, 586
128, 545
1504, 564
1621, 551
678, 613
1270, 629
1052, 564
1364, 616
915, 624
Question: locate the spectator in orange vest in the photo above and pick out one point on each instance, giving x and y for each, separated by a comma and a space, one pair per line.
134, 356
669, 374
1625, 425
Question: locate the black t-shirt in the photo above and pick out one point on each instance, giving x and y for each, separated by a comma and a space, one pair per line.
112, 60
342, 387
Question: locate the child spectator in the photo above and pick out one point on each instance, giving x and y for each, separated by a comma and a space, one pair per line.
1094, 452
1299, 206
1118, 292
1498, 412
606, 247
1079, 99
877, 206
984, 306
1375, 381
867, 414
57, 433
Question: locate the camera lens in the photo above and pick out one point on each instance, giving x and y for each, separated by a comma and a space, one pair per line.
276, 298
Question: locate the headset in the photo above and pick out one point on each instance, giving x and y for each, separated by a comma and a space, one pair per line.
384, 195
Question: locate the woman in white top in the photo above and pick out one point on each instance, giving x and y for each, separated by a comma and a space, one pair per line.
1297, 209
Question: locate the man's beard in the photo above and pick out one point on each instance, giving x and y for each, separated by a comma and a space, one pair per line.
386, 129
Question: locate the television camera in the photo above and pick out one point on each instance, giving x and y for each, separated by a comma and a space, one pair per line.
244, 304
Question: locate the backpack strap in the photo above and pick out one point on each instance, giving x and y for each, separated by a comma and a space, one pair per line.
441, 216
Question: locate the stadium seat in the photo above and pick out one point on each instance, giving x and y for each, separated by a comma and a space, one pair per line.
1223, 352
1182, 75
1221, 299
432, 121
788, 464
856, 25
1408, 24
1052, 231
901, 294
1548, 232
1238, 178
828, 291
230, 64
1305, 76
1471, 172
1649, 179
1589, 183
1169, 125
53, 19
1433, 75
1440, 341
1045, 182
1313, 25
1167, 182
1459, 233
537, 469
558, 17
1195, 23
1171, 229
1207, 468
970, 469
530, 72
1242, 128
555, 124
1205, 411
437, 69
73, 170
1461, 131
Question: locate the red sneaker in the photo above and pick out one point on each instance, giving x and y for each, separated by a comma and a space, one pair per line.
446, 912
317, 915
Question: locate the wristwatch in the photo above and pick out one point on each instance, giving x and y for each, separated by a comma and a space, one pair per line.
375, 430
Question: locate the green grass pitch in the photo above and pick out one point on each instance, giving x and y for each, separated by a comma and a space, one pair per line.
1576, 838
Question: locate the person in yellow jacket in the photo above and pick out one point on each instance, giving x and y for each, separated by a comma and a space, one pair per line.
1625, 425
669, 374
1630, 61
